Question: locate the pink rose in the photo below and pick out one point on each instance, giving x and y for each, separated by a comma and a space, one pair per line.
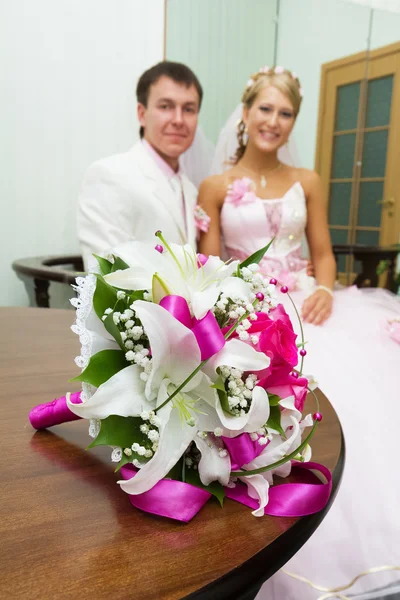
277, 340
241, 191
284, 385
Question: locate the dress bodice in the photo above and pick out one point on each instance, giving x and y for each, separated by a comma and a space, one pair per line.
249, 223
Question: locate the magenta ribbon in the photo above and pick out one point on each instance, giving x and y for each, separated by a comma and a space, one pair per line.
287, 499
242, 450
54, 413
206, 330
182, 501
168, 498
290, 499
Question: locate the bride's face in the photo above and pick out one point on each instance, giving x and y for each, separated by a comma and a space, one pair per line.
270, 119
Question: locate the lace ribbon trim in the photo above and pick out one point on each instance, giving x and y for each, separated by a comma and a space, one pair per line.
85, 287
335, 592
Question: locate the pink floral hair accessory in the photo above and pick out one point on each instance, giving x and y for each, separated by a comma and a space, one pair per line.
250, 83
264, 69
279, 70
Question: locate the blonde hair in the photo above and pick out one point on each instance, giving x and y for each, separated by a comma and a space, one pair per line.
283, 80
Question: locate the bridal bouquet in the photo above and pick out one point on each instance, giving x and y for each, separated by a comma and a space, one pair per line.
190, 374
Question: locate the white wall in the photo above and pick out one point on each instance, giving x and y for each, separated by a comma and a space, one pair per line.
68, 74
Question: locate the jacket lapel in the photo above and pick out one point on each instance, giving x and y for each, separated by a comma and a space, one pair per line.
161, 188
190, 194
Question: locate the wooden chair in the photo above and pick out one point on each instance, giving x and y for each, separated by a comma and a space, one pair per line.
370, 257
45, 269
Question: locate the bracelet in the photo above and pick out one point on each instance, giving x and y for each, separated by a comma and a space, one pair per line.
325, 288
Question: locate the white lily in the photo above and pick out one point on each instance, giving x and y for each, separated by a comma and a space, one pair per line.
175, 355
177, 272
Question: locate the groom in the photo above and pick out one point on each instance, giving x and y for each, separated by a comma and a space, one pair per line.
132, 195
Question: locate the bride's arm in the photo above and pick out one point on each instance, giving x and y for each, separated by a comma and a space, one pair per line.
211, 197
318, 307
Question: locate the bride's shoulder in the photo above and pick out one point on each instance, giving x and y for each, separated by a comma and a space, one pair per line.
309, 180
214, 188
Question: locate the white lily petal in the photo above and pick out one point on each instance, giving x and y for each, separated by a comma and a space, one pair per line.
207, 418
307, 453
134, 278
174, 348
239, 355
288, 404
175, 437
277, 448
203, 301
234, 287
217, 269
122, 394
212, 466
257, 488
251, 421
259, 411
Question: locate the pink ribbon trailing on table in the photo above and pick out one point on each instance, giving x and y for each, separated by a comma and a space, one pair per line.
182, 501
54, 413
168, 498
206, 330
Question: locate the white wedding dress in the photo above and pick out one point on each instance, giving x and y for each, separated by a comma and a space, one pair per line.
357, 366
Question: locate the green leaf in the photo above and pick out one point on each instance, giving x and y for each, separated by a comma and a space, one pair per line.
273, 399
113, 330
274, 421
118, 431
102, 366
137, 295
219, 384
256, 257
105, 296
118, 264
124, 461
104, 264
222, 394
215, 488
107, 267
176, 471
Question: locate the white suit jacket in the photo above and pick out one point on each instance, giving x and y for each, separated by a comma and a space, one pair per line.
127, 197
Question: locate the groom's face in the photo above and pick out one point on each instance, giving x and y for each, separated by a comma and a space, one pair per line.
170, 117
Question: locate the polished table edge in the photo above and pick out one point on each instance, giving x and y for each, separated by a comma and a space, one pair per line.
244, 582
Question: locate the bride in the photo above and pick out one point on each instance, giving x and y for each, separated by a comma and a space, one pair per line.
348, 348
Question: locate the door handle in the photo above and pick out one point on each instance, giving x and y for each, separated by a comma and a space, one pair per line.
387, 203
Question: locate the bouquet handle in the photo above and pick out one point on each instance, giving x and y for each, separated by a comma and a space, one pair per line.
55, 412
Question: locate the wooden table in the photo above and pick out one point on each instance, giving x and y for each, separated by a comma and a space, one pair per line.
68, 531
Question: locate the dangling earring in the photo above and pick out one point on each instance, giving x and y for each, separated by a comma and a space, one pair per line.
245, 135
